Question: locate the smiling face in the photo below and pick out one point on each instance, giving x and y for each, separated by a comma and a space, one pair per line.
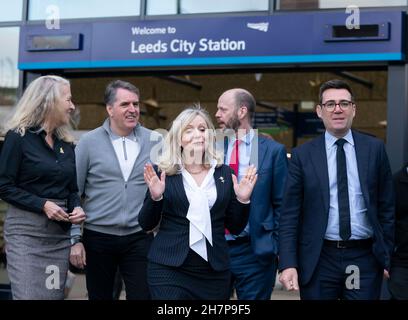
124, 113
64, 107
194, 140
338, 121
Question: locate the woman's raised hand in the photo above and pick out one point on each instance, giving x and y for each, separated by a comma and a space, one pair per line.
243, 189
156, 185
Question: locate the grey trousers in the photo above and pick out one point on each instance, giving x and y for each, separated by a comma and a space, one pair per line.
37, 250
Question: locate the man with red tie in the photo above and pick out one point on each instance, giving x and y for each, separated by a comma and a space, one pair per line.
253, 252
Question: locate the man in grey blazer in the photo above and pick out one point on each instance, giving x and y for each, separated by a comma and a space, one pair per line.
110, 161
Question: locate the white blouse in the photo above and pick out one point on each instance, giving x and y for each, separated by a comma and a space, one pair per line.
201, 199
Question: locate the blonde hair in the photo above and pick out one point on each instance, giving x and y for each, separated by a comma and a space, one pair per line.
39, 99
171, 160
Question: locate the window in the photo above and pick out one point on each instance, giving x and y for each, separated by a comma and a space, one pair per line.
331, 4
9, 74
73, 9
161, 7
11, 10
156, 7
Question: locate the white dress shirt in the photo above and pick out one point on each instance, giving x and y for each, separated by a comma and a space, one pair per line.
360, 225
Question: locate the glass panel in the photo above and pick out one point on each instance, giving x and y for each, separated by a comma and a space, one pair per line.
194, 6
9, 75
43, 9
361, 3
11, 10
161, 7
207, 6
330, 4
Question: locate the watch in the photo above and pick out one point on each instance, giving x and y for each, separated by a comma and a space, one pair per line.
75, 240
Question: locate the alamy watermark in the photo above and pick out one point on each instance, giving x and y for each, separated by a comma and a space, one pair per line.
52, 282
353, 280
52, 21
353, 20
218, 137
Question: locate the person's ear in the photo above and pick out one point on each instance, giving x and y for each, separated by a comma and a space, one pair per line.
319, 110
242, 112
109, 110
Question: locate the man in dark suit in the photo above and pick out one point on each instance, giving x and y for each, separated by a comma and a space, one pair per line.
254, 251
337, 222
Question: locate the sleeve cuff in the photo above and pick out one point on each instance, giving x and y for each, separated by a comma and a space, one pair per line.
75, 231
75, 240
244, 202
157, 200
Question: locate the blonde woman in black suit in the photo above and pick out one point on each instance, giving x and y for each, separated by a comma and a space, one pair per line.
194, 197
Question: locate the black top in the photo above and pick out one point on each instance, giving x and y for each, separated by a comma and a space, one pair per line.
400, 256
32, 172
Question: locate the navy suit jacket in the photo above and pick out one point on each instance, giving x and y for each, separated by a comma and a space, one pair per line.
266, 198
171, 244
305, 206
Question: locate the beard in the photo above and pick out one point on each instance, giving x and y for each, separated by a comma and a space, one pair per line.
233, 123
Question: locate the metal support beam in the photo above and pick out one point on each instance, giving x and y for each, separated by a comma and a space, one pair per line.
183, 81
397, 116
354, 78
267, 105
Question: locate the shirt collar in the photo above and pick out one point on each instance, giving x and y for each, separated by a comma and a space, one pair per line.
40, 131
132, 136
37, 130
331, 140
247, 138
114, 136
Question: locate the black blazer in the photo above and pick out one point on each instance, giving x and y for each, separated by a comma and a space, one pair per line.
171, 244
305, 207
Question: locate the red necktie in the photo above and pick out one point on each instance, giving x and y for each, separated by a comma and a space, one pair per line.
234, 160
234, 164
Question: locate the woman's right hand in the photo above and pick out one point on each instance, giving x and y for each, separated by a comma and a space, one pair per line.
156, 185
55, 212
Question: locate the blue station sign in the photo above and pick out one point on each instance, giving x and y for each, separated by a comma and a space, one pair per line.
285, 38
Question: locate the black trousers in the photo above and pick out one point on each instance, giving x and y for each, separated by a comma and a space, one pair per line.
106, 253
398, 282
346, 274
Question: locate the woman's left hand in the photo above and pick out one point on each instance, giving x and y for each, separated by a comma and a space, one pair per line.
243, 189
77, 215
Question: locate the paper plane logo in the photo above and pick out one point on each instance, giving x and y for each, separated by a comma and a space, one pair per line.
261, 26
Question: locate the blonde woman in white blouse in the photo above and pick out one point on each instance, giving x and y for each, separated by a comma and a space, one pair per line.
194, 197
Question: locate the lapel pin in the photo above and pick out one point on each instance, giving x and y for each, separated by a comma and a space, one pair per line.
61, 150
222, 179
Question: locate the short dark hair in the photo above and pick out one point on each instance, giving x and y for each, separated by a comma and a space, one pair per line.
244, 98
111, 89
334, 84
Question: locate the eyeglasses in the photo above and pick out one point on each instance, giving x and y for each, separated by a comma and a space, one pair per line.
331, 105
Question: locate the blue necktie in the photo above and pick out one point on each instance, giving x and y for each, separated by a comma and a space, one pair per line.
342, 192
